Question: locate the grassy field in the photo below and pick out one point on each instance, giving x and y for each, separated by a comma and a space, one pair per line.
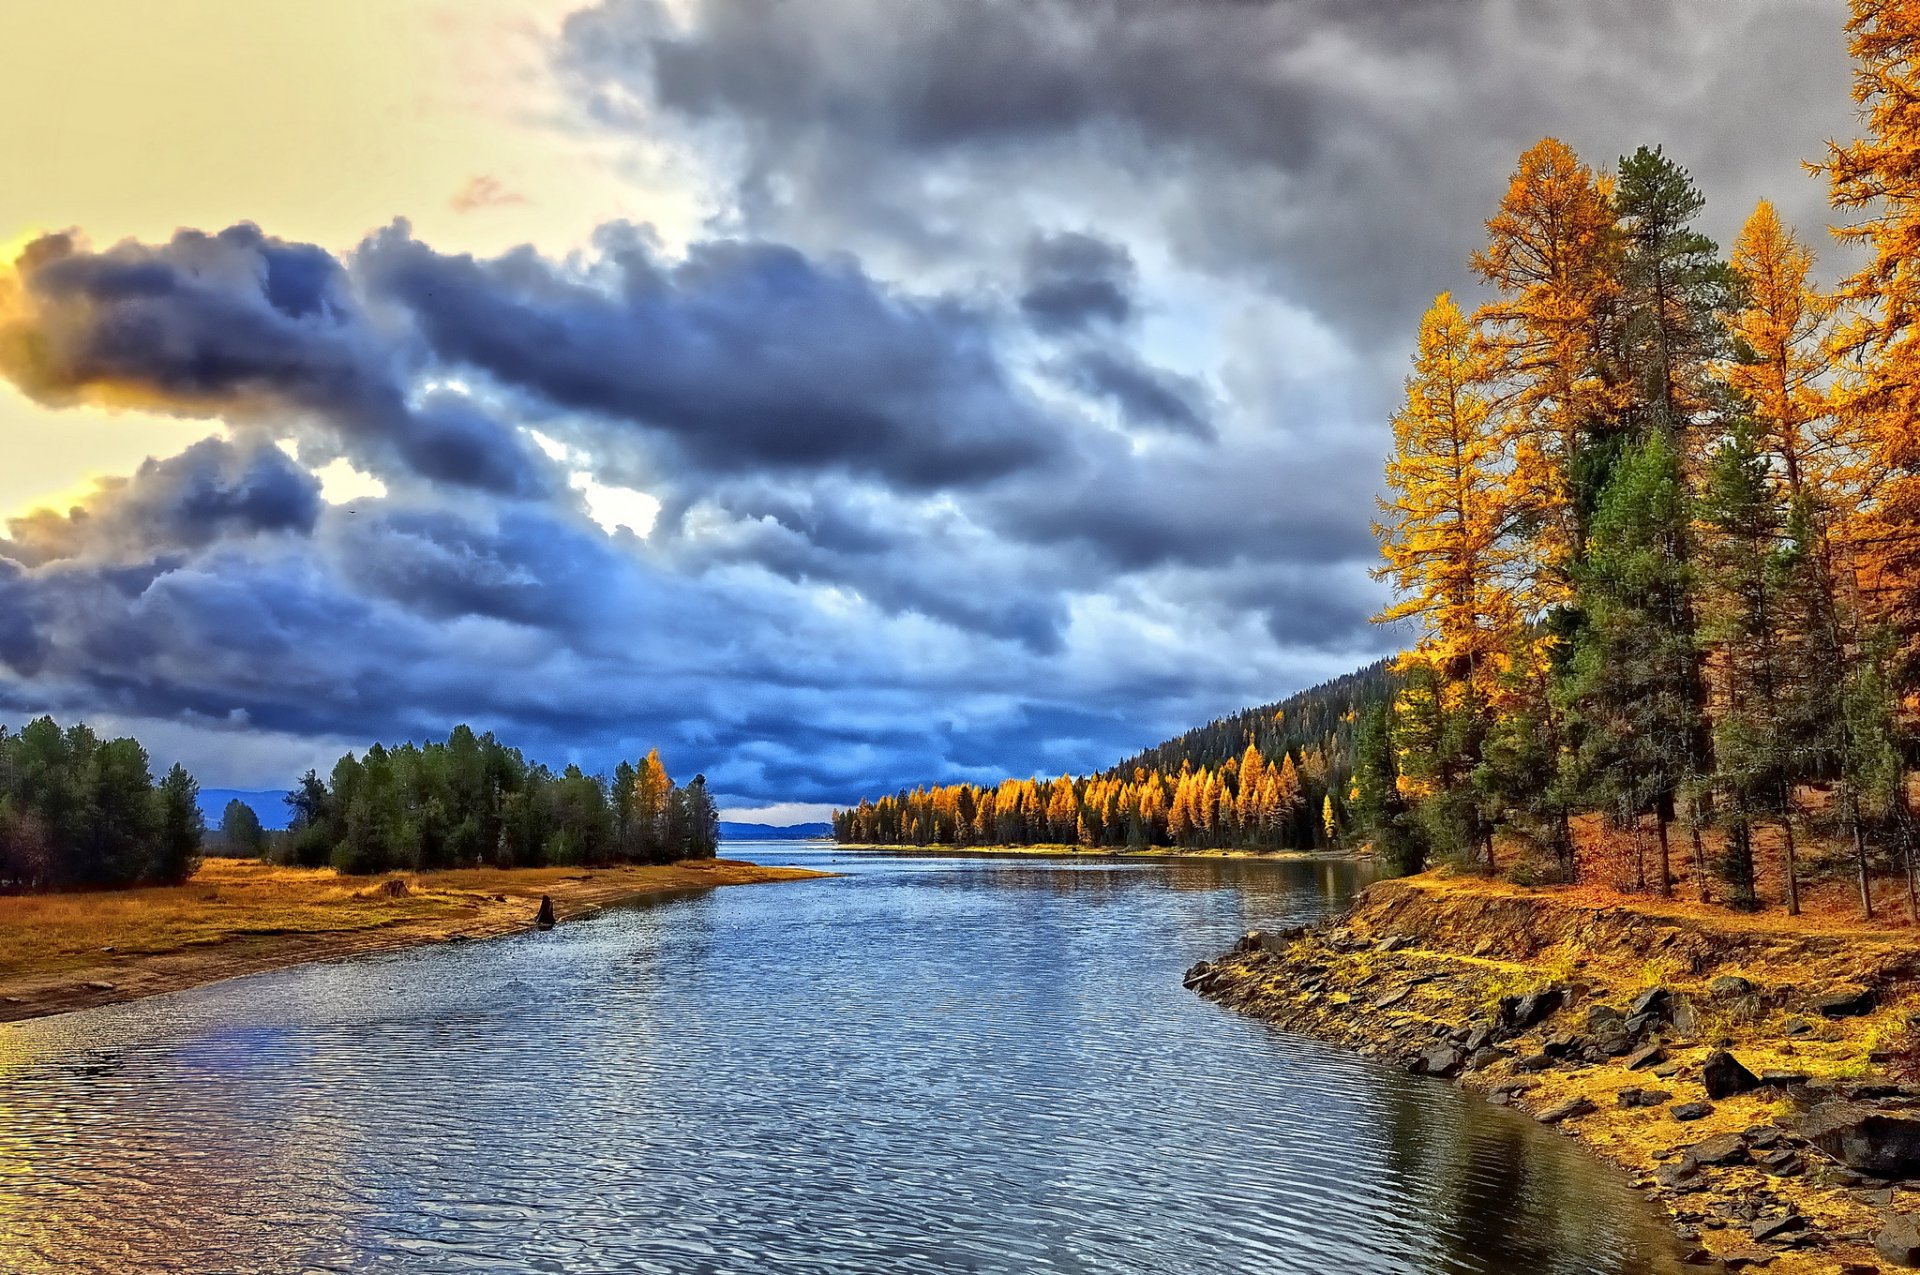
64, 951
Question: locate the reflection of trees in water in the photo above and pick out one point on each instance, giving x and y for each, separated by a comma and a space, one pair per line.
1503, 1195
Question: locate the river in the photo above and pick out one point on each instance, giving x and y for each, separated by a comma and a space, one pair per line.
926, 1065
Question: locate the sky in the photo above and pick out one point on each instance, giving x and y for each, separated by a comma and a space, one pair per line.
837, 395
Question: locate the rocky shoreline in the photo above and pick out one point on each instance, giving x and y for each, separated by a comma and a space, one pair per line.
1740, 1075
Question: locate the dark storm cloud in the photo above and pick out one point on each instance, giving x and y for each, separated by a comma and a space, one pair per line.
236, 325
1073, 279
746, 355
1345, 152
212, 490
1146, 396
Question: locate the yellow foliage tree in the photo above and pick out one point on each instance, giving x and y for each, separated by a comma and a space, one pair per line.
1878, 344
1553, 253
1447, 529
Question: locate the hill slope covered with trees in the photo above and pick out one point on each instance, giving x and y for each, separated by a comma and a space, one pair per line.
1273, 777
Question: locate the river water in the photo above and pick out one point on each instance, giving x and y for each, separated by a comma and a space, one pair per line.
929, 1064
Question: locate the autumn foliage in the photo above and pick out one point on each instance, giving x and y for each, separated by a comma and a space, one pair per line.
1654, 515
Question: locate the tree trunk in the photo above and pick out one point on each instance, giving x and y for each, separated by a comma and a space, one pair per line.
1793, 884
1639, 857
1666, 870
1860, 855
1699, 848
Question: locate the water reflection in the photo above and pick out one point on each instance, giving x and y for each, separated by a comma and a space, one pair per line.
930, 1065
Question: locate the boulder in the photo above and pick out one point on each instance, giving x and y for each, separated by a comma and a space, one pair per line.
1391, 999
1724, 1076
1533, 1007
1477, 1039
1682, 1175
543, 920
1681, 1015
1877, 1143
1797, 1027
1649, 1056
1729, 987
1846, 1002
1199, 971
1722, 1148
1652, 1002
1444, 1062
1775, 1079
1568, 1110
1643, 1097
1771, 1228
1692, 1111
1534, 1062
1393, 943
1603, 1018
1562, 1044
1898, 1240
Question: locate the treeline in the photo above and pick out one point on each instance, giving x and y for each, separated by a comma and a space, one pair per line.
1657, 514
1275, 777
474, 802
80, 812
1322, 718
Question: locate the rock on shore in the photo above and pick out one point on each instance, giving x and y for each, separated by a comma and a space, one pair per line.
1743, 1103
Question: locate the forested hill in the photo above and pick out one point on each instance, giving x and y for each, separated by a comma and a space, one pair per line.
1273, 777
1321, 718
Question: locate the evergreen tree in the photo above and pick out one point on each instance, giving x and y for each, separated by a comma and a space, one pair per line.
1380, 812
241, 835
1748, 567
1631, 694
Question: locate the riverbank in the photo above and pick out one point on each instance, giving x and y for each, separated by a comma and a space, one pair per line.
1108, 852
64, 952
1753, 1080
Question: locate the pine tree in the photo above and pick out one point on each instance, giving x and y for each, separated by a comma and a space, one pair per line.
1675, 290
1747, 568
1631, 694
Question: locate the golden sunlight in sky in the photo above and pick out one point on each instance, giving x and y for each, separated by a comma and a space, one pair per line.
318, 119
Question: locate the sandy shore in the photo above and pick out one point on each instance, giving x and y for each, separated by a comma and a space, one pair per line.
74, 951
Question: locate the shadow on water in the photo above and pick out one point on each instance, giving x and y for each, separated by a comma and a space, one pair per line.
926, 1065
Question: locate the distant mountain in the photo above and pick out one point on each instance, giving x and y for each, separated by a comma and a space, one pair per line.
771, 832
269, 803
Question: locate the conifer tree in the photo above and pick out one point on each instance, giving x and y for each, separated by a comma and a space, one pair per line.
1631, 694
1447, 533
1748, 566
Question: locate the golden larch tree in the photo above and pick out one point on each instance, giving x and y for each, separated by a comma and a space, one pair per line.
1446, 530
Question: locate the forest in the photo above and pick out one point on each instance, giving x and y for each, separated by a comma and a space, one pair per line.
1655, 511
1276, 777
81, 812
474, 802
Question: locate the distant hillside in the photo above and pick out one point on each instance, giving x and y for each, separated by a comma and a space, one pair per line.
269, 803
772, 832
1273, 777
1322, 718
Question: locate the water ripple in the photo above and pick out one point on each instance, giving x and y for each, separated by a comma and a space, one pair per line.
926, 1066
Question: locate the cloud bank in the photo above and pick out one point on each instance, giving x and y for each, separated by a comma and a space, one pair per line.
1023, 404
